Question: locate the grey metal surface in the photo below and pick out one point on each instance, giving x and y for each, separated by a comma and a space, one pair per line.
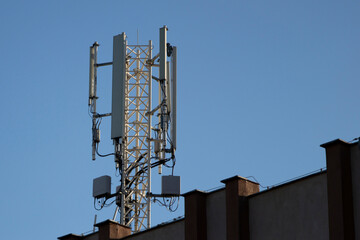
118, 86
170, 185
101, 186
163, 52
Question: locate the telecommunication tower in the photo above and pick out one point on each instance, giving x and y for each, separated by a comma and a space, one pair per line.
140, 142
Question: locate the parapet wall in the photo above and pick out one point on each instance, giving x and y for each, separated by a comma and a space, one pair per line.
296, 210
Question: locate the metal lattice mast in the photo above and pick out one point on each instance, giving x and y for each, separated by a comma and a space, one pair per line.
136, 169
131, 127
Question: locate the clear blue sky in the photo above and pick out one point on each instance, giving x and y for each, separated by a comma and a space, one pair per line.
261, 84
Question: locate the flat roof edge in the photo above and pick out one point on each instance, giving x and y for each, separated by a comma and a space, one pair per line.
288, 183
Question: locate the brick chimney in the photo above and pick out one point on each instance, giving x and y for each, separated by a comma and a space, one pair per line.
195, 215
237, 206
109, 230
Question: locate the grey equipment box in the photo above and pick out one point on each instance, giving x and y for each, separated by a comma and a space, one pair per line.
102, 186
170, 185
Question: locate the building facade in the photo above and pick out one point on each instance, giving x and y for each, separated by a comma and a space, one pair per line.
321, 206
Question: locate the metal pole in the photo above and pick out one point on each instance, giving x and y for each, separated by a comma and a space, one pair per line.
149, 136
92, 93
136, 188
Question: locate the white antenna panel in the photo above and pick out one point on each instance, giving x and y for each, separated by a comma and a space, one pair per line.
173, 97
168, 98
92, 73
118, 87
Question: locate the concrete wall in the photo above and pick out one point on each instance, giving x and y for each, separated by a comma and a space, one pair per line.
94, 236
171, 231
297, 210
216, 215
355, 173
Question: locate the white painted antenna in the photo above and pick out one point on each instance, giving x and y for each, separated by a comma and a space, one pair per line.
92, 74
92, 94
173, 97
168, 87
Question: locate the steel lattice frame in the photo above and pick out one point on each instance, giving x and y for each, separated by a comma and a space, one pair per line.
136, 174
